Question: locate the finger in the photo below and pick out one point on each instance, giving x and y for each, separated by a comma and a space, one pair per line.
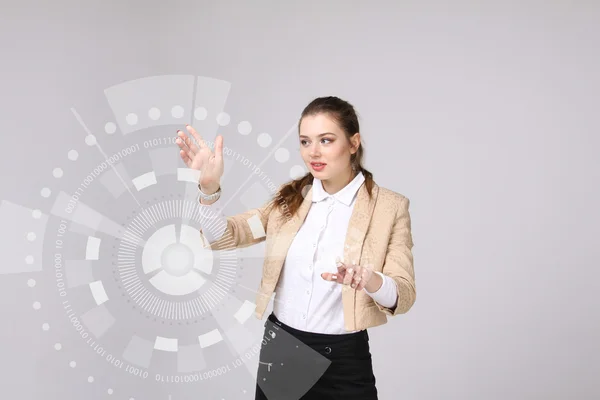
196, 136
357, 278
186, 158
185, 152
349, 276
340, 265
187, 142
182, 146
328, 276
363, 281
219, 147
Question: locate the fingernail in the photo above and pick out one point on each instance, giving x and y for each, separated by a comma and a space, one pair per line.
333, 276
353, 285
350, 270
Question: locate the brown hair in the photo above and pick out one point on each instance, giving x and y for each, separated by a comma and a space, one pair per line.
291, 195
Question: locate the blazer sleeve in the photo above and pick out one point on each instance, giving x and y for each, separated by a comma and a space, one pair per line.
238, 231
398, 263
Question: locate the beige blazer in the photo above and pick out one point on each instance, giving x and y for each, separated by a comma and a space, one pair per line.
379, 234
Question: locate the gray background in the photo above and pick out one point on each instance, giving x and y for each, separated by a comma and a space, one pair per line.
483, 113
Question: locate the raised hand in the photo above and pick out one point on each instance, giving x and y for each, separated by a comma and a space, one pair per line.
200, 157
351, 274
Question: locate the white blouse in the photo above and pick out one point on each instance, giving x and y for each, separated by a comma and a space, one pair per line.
303, 299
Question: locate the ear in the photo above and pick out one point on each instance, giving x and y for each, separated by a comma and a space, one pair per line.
355, 140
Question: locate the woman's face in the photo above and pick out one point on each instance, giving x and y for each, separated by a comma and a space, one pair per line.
323, 141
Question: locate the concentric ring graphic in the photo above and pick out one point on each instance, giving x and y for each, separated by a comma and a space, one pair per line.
175, 261
115, 244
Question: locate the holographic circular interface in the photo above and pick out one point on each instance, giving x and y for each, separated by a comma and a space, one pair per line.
128, 295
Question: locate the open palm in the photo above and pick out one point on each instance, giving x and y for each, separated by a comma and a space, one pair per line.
200, 157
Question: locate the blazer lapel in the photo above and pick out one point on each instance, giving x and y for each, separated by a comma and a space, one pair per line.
359, 223
357, 229
285, 235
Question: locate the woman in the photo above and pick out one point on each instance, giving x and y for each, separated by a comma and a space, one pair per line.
338, 255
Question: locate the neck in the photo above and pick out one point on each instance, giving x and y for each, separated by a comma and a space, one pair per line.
339, 182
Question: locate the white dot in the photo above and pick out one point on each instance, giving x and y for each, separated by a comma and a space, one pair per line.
200, 113
46, 192
282, 155
90, 379
37, 305
46, 327
154, 113
90, 140
37, 214
223, 119
131, 119
58, 346
73, 155
72, 364
110, 128
244, 127
110, 391
31, 282
31, 236
29, 260
264, 140
57, 172
297, 171
177, 112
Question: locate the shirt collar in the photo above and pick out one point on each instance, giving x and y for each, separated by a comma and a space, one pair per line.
346, 195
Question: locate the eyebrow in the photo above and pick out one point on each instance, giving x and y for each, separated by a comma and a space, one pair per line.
322, 134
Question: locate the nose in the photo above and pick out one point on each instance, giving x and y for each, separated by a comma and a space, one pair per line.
314, 151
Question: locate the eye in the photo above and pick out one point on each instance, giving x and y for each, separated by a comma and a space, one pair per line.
303, 141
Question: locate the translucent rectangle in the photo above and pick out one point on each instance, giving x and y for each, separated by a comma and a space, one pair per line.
210, 338
92, 249
98, 292
165, 344
188, 175
245, 311
145, 180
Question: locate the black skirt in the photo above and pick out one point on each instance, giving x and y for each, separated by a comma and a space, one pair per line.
295, 365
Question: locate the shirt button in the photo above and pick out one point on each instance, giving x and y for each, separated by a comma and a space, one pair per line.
303, 316
308, 292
